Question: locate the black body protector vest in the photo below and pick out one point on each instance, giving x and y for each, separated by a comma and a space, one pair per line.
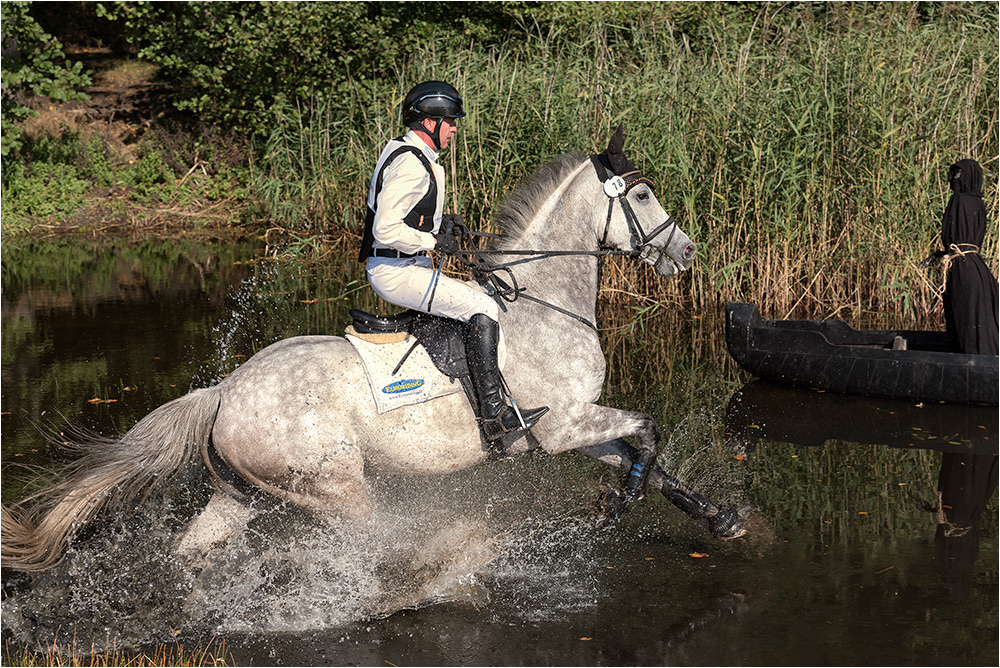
421, 217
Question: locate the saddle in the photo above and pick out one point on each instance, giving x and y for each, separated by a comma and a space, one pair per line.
442, 338
444, 341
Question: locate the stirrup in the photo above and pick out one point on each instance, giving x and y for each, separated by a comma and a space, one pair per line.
508, 422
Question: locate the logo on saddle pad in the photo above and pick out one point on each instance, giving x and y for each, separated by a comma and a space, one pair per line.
401, 386
394, 385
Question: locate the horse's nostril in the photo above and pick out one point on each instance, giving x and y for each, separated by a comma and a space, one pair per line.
689, 251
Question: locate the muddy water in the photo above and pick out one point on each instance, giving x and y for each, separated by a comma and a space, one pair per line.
852, 558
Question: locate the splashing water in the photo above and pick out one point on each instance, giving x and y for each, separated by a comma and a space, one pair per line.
256, 316
511, 534
448, 539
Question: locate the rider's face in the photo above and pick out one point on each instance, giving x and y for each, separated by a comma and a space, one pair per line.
448, 128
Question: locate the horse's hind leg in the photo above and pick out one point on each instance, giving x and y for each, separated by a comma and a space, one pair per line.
221, 519
329, 479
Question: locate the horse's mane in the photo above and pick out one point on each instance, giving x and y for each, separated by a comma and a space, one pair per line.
519, 207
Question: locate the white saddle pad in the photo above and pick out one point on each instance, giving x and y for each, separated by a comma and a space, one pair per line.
416, 381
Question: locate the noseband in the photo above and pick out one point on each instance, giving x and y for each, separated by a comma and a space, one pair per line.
616, 187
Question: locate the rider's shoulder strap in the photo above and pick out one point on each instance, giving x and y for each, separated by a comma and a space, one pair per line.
405, 148
422, 215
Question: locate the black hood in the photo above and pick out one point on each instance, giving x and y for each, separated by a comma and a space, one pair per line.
964, 220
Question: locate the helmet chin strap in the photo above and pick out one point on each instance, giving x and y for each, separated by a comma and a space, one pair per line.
436, 134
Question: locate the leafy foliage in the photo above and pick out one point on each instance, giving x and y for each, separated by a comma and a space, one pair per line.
33, 64
56, 176
46, 189
234, 61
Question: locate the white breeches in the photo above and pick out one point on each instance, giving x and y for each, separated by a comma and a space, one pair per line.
409, 282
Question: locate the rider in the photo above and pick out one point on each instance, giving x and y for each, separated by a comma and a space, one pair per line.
404, 222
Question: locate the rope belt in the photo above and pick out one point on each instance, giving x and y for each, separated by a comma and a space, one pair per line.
954, 251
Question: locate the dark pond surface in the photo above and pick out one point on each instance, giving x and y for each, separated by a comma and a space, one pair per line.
873, 534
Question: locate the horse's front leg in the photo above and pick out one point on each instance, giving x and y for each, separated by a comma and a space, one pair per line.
580, 425
723, 523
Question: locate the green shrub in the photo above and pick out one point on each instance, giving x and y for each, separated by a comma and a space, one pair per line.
147, 176
33, 64
41, 189
235, 63
95, 162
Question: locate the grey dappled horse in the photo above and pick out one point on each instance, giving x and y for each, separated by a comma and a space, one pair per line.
297, 420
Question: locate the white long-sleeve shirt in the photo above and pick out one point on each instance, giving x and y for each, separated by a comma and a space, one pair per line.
404, 183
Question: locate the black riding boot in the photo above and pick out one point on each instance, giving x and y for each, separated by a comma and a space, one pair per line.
481, 341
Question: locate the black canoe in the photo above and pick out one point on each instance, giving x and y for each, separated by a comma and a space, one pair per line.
831, 355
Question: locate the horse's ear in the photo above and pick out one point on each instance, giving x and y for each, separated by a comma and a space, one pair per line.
616, 156
617, 142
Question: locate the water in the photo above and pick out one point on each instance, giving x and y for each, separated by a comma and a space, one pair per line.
848, 561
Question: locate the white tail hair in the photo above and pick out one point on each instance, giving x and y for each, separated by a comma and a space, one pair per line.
37, 530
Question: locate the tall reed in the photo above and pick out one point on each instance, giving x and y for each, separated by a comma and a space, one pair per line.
805, 154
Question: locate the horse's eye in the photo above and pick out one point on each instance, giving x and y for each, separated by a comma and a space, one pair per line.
642, 195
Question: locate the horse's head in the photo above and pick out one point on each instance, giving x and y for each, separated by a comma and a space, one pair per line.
633, 218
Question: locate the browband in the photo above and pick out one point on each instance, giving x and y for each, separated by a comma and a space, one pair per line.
605, 172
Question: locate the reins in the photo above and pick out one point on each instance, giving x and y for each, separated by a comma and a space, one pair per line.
616, 187
486, 272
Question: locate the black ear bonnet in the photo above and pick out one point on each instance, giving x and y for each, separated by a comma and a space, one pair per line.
614, 163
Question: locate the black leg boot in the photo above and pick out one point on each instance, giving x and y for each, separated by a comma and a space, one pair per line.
481, 341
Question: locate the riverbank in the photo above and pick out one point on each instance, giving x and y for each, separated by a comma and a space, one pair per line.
122, 160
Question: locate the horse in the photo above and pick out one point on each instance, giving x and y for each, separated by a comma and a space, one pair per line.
297, 421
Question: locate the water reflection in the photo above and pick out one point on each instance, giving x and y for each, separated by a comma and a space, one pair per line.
765, 411
162, 316
966, 437
98, 332
965, 485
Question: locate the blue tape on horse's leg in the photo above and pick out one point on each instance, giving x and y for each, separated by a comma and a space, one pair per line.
638, 475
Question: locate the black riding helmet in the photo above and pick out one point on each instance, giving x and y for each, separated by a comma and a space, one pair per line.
431, 99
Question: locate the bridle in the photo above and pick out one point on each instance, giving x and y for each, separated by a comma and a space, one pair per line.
616, 187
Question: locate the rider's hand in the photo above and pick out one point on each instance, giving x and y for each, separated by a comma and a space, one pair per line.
445, 243
454, 223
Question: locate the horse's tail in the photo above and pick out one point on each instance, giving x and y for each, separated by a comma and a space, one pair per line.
37, 530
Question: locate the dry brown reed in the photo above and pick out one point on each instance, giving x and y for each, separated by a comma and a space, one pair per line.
214, 653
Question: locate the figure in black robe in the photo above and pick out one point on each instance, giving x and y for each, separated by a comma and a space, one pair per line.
970, 297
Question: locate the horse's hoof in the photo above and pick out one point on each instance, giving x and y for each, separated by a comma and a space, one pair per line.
727, 524
608, 508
